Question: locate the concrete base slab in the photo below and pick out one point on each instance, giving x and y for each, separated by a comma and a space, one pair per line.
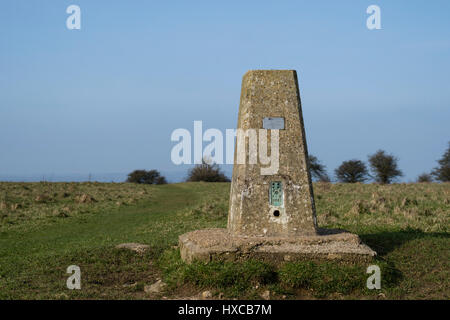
219, 245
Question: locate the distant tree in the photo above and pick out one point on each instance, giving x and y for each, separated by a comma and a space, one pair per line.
442, 172
351, 171
324, 178
384, 167
146, 177
208, 172
424, 177
318, 170
161, 180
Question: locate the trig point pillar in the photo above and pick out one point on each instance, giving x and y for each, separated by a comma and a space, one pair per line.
278, 202
272, 215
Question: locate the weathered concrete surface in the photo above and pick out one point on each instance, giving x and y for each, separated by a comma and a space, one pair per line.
260, 227
272, 93
219, 245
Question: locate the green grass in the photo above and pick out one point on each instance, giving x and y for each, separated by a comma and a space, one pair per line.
234, 279
45, 227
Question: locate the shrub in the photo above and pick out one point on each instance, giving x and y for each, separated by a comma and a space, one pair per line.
208, 172
318, 170
442, 173
384, 167
352, 171
146, 177
424, 178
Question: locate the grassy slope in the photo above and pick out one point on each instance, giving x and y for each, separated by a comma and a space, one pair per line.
44, 228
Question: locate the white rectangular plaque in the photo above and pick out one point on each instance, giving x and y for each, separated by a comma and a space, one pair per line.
273, 123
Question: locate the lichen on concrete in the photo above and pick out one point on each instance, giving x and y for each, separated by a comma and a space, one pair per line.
272, 94
219, 245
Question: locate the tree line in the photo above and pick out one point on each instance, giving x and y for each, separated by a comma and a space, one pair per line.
383, 169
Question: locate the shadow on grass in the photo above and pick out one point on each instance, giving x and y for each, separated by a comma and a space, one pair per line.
387, 241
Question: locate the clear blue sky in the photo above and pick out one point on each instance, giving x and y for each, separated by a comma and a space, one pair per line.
107, 97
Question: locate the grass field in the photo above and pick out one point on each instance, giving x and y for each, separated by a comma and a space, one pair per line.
45, 227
